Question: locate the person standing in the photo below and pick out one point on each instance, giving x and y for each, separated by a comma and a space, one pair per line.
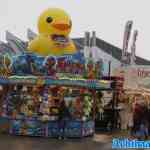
140, 119
63, 117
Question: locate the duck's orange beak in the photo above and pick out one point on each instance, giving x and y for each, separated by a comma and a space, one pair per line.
61, 25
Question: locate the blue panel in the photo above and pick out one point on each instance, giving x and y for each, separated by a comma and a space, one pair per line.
53, 129
88, 128
27, 127
4, 124
73, 129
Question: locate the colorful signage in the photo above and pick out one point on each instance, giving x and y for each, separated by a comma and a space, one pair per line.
79, 82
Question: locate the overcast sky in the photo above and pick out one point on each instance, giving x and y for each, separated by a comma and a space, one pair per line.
106, 17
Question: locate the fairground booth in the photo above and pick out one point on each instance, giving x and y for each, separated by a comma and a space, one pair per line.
50, 89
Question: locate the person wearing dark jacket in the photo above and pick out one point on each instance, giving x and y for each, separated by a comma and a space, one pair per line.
63, 117
140, 119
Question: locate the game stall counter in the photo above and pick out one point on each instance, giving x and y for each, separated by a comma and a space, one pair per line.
34, 88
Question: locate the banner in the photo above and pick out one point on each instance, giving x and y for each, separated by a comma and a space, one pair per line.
126, 39
133, 48
134, 76
75, 82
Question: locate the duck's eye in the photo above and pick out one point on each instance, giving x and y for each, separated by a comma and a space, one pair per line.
49, 19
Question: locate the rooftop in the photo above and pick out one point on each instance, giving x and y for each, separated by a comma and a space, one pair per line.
110, 49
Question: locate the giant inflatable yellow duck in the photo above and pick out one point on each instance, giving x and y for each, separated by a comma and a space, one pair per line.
54, 26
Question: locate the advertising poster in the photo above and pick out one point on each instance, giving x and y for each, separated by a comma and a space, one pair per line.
134, 76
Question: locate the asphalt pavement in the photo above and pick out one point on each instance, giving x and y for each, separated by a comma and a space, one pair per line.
98, 142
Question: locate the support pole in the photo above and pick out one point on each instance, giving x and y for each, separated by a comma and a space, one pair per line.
114, 105
109, 71
94, 104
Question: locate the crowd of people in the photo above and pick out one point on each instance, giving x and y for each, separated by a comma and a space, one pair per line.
139, 119
135, 116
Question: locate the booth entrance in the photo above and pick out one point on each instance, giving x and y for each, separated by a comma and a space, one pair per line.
108, 118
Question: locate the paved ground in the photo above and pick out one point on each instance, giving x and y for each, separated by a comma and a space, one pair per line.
98, 142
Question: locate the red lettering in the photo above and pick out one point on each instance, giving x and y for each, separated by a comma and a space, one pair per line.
143, 73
